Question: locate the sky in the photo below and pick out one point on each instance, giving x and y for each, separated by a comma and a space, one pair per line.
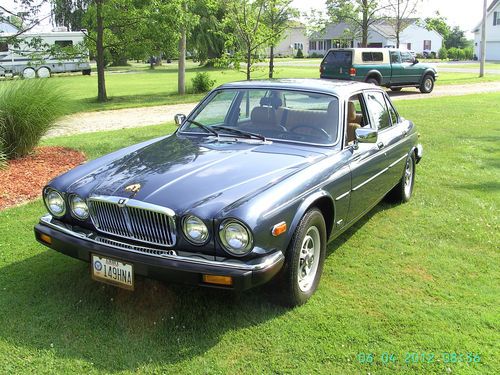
463, 13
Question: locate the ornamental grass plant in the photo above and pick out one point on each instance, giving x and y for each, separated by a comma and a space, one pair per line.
28, 110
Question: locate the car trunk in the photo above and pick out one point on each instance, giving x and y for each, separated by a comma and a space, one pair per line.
337, 64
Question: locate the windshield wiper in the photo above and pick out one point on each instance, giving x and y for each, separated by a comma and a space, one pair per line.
241, 132
204, 127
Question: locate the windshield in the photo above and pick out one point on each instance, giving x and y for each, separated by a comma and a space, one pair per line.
297, 116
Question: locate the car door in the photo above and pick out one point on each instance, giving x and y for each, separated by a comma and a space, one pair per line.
397, 74
411, 71
369, 162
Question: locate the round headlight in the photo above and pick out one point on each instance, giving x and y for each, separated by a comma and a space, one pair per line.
55, 202
195, 230
79, 208
236, 238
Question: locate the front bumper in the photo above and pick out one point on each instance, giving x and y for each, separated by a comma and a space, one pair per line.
169, 266
420, 153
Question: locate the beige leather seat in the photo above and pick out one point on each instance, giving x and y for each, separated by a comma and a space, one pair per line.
352, 122
263, 117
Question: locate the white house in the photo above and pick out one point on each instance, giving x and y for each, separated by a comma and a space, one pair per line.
413, 37
294, 38
492, 33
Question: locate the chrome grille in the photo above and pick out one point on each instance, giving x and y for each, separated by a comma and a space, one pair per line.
133, 219
140, 249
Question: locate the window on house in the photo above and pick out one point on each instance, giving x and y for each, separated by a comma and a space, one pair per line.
312, 45
427, 45
328, 44
63, 43
298, 46
4, 47
496, 18
320, 45
408, 46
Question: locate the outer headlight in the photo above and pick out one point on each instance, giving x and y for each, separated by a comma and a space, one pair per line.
195, 230
235, 237
54, 202
79, 208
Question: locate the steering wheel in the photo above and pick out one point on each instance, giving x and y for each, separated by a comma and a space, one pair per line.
315, 129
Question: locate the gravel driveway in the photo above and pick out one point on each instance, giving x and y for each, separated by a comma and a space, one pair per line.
86, 122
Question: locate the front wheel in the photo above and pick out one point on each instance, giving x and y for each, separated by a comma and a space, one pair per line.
305, 258
427, 84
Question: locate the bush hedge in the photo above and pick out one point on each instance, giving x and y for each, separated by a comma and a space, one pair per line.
202, 82
28, 110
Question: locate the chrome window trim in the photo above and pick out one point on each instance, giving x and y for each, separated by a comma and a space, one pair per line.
270, 260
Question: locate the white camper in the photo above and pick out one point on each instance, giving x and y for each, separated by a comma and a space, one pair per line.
30, 57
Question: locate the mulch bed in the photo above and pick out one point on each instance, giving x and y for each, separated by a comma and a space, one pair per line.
24, 178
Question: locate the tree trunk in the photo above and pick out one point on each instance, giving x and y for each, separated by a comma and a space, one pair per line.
364, 28
101, 83
271, 62
249, 63
181, 76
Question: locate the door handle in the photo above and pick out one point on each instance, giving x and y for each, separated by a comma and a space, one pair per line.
380, 145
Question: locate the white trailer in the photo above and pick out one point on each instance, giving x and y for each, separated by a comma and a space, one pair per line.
33, 55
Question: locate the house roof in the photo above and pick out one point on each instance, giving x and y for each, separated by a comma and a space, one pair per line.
492, 6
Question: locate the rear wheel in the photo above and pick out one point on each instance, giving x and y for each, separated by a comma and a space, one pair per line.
397, 89
427, 84
43, 72
373, 81
29, 73
401, 193
305, 258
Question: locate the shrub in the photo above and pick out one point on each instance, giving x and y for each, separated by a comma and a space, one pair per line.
460, 54
315, 55
453, 53
443, 53
202, 82
3, 157
300, 54
28, 109
469, 53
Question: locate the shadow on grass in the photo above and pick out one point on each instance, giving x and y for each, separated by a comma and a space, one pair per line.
49, 303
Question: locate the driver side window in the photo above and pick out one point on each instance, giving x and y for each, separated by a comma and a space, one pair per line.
407, 57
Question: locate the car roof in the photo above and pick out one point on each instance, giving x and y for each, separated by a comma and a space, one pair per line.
322, 85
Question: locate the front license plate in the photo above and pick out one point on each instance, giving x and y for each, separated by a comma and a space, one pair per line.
112, 271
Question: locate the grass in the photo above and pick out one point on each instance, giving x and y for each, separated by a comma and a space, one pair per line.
138, 86
416, 278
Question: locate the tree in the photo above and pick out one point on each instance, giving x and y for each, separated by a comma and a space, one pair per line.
456, 38
358, 14
277, 16
398, 15
69, 13
251, 34
438, 23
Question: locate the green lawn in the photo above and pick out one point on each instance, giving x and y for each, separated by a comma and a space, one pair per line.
475, 65
422, 277
138, 86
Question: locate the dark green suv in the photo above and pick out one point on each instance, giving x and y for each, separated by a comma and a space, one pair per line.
381, 66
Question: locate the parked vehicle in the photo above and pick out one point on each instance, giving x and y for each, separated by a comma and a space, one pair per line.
249, 189
380, 66
34, 55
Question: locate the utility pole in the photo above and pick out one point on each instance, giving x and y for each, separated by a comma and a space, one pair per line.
483, 41
181, 86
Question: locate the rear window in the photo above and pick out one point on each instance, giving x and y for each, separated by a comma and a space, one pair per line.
372, 56
342, 58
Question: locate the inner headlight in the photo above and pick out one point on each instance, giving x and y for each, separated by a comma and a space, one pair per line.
54, 202
236, 238
79, 208
195, 230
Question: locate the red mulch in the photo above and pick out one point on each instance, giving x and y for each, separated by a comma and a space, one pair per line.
24, 178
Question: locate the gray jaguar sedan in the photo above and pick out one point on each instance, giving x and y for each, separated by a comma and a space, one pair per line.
249, 189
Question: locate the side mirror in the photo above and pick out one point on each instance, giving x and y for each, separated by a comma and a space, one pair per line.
179, 119
364, 135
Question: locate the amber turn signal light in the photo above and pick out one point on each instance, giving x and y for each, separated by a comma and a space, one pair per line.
45, 238
279, 229
219, 280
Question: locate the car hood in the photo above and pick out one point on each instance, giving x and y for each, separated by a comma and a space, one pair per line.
196, 174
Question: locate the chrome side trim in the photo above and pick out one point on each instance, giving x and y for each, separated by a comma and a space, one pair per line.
397, 161
269, 260
370, 179
343, 195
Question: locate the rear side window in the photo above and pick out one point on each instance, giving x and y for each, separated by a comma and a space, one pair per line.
342, 58
63, 43
377, 107
372, 56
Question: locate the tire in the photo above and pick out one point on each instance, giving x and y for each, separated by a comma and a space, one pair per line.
29, 73
43, 72
373, 81
396, 89
86, 72
304, 259
402, 192
427, 84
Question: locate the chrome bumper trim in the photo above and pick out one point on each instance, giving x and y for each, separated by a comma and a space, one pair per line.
267, 262
420, 152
